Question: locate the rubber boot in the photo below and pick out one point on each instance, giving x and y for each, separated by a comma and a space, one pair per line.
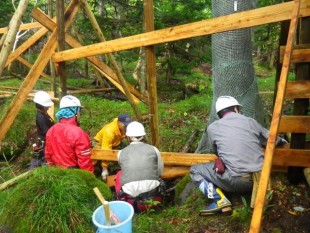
220, 204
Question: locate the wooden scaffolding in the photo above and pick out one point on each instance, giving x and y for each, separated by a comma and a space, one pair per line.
177, 163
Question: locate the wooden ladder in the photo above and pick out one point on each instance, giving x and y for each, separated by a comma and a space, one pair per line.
292, 124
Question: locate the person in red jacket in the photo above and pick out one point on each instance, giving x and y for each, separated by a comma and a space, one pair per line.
67, 145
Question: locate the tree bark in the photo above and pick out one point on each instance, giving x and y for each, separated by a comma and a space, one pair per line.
61, 45
52, 67
11, 34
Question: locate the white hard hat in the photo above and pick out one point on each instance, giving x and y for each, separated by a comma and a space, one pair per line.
69, 101
135, 129
225, 102
43, 98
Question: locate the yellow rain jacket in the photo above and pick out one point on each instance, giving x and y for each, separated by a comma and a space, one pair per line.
110, 136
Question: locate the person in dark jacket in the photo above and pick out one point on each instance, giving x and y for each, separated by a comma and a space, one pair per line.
237, 140
67, 145
42, 102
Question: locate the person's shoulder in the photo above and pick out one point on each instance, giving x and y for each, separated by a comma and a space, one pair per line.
213, 124
109, 125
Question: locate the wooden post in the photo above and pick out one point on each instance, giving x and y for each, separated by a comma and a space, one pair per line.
262, 189
112, 59
11, 34
61, 44
151, 73
23, 27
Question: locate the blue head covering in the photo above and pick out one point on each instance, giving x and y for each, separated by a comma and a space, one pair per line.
67, 112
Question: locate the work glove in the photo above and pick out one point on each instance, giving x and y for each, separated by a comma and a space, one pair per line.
104, 174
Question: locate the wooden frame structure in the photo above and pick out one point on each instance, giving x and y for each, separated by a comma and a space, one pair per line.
178, 162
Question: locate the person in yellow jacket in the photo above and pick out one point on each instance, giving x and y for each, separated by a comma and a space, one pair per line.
111, 136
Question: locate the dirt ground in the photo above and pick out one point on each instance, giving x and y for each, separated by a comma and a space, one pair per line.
289, 210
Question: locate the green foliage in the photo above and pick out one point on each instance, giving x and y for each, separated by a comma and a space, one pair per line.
244, 213
6, 13
52, 200
175, 220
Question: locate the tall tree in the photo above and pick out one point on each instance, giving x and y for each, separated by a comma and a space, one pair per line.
233, 70
11, 34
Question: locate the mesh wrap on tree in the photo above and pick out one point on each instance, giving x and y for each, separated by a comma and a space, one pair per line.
232, 67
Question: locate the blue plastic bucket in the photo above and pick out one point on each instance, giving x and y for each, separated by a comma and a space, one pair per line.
124, 212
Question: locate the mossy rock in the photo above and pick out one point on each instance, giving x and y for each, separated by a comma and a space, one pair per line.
52, 200
186, 193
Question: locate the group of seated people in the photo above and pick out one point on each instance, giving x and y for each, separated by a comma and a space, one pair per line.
237, 140
67, 145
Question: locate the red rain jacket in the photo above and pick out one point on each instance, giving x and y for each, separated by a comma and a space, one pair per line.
67, 145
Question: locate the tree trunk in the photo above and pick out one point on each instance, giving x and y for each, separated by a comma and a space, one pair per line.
101, 8
233, 70
139, 74
60, 11
11, 34
52, 67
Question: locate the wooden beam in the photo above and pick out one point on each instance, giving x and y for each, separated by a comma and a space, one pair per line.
101, 66
87, 91
33, 39
29, 65
300, 54
294, 124
23, 27
276, 116
245, 19
29, 82
298, 90
282, 157
27, 44
169, 158
291, 157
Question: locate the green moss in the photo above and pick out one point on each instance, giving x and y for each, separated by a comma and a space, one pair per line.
53, 200
180, 187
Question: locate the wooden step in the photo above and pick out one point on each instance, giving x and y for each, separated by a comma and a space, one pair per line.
301, 53
294, 124
179, 162
297, 90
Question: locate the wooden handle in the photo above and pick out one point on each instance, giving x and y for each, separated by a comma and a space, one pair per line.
102, 200
107, 213
99, 195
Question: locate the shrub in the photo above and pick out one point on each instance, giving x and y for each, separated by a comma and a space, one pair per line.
52, 200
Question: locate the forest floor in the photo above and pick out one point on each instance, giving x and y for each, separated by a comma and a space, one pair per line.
288, 211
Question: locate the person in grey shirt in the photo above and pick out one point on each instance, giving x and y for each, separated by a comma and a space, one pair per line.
237, 140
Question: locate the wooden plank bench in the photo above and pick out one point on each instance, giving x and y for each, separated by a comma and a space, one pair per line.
178, 164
